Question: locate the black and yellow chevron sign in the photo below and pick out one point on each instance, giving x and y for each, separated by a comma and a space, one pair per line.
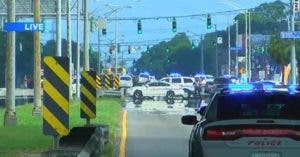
98, 81
88, 94
107, 81
116, 82
56, 96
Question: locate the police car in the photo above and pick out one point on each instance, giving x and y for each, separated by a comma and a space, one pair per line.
247, 120
155, 89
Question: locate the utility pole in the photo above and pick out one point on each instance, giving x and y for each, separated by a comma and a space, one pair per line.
116, 42
229, 55
58, 28
10, 118
216, 57
202, 55
250, 48
236, 46
69, 48
37, 61
293, 52
86, 42
99, 51
246, 44
78, 54
86, 36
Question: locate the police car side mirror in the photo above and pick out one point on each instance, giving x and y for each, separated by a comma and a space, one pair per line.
202, 110
189, 120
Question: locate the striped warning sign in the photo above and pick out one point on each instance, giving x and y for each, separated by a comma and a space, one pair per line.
116, 82
56, 96
107, 81
88, 94
98, 81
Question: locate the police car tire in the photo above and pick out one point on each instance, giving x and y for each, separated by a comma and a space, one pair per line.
188, 92
170, 101
137, 94
137, 101
170, 94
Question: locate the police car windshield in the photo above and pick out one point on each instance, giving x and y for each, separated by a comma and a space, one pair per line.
144, 75
258, 106
125, 78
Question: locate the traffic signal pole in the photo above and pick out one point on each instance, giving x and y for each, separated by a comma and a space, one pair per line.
293, 51
69, 47
86, 36
236, 45
10, 118
78, 54
58, 27
229, 54
37, 62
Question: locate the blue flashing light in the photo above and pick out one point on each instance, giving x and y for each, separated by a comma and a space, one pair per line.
268, 87
175, 75
240, 87
292, 88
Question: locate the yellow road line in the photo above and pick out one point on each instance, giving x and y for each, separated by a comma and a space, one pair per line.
122, 152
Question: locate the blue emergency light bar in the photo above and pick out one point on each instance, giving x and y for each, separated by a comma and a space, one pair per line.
240, 87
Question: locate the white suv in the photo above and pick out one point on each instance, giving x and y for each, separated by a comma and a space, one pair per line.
186, 83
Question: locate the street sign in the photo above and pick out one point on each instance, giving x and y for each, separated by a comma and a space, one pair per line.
24, 27
220, 40
290, 35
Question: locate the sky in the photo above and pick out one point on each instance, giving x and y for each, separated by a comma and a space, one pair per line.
159, 29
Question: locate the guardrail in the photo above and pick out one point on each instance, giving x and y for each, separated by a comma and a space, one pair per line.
19, 93
29, 93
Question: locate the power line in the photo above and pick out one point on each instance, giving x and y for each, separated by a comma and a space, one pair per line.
204, 15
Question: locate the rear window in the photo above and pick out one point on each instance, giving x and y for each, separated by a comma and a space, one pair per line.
222, 81
125, 78
176, 80
258, 106
187, 80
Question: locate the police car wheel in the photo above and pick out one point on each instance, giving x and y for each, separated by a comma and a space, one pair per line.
138, 94
170, 95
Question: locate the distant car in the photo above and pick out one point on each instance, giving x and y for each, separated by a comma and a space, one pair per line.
185, 83
126, 82
143, 78
220, 82
250, 123
204, 78
154, 89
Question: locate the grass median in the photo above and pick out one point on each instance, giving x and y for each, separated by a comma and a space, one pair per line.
27, 137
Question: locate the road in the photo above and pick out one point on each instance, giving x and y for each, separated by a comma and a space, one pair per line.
155, 130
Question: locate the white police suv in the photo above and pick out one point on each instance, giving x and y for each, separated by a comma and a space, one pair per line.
247, 121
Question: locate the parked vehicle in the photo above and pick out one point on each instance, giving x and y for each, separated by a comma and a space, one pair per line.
154, 89
126, 81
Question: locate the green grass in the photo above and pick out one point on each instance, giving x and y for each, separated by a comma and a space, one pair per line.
28, 137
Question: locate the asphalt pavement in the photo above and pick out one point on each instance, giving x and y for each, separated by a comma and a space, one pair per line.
154, 130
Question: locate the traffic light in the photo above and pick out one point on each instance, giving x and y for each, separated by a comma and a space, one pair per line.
208, 21
193, 45
129, 49
104, 31
296, 6
174, 25
110, 49
92, 24
139, 27
119, 47
167, 49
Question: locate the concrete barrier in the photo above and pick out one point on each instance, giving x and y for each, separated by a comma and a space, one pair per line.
87, 141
